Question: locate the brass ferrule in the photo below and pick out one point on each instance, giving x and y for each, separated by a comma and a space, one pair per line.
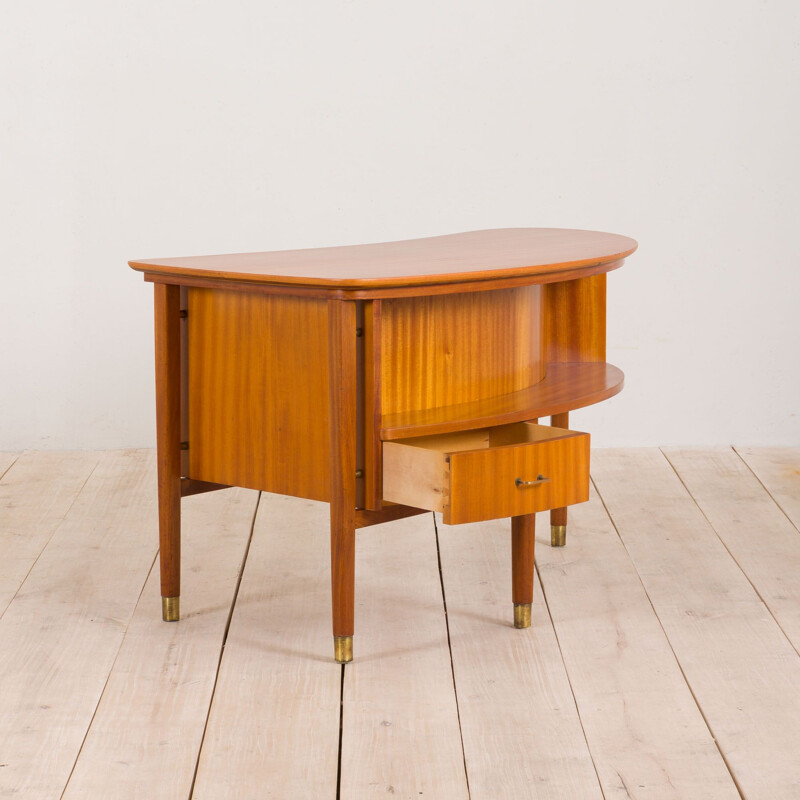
171, 609
522, 615
558, 535
343, 649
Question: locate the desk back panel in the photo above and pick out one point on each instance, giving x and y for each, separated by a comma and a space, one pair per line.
258, 391
448, 349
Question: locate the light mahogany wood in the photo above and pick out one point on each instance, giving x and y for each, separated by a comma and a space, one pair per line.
36, 491
523, 533
258, 397
451, 349
522, 735
474, 476
646, 734
168, 434
736, 504
146, 734
390, 748
390, 512
342, 319
274, 723
558, 516
61, 633
575, 320
744, 673
564, 387
461, 257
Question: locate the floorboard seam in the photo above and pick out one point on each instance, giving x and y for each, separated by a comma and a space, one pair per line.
672, 649
450, 650
341, 730
772, 497
224, 642
5, 471
569, 681
55, 531
733, 557
108, 678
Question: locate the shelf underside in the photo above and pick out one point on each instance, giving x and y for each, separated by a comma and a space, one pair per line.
564, 388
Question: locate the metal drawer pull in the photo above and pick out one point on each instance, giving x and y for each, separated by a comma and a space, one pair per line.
541, 479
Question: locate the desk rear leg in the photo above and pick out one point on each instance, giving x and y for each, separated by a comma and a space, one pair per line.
168, 435
558, 516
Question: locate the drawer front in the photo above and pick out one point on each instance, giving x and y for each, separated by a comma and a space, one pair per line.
492, 483
488, 474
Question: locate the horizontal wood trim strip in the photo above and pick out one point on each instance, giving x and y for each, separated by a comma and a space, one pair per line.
466, 282
564, 388
365, 517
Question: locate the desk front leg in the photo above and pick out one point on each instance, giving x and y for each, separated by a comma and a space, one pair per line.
342, 371
168, 435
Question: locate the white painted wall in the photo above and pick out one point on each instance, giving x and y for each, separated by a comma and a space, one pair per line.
149, 129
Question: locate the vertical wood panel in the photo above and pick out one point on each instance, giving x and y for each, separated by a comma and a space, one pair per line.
575, 320
258, 373
457, 348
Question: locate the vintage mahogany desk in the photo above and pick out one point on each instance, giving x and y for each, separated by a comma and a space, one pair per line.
385, 379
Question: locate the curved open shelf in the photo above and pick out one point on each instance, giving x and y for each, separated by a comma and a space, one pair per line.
564, 388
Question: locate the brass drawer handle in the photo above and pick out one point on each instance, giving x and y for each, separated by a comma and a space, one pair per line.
541, 479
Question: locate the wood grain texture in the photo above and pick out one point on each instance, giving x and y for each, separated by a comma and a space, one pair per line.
575, 320
36, 493
564, 387
390, 746
743, 671
523, 540
645, 732
258, 407
451, 349
558, 516
274, 725
474, 476
752, 527
342, 495
168, 434
62, 631
372, 404
145, 737
6, 460
521, 732
508, 252
778, 469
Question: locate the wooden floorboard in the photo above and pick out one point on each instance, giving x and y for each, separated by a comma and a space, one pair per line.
522, 736
6, 460
758, 535
400, 726
743, 672
778, 469
145, 737
273, 730
661, 666
63, 629
36, 492
645, 732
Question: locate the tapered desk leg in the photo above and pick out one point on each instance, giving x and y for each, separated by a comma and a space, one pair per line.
168, 433
522, 541
342, 364
558, 516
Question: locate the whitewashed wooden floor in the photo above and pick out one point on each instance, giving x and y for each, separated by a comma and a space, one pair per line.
663, 661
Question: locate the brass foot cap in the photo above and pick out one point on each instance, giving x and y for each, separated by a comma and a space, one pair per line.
171, 609
558, 535
343, 649
522, 615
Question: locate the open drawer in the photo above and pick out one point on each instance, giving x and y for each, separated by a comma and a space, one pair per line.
490, 473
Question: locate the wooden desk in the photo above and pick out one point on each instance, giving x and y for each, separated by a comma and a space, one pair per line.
387, 380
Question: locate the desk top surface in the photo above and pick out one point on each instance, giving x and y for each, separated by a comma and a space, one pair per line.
455, 258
